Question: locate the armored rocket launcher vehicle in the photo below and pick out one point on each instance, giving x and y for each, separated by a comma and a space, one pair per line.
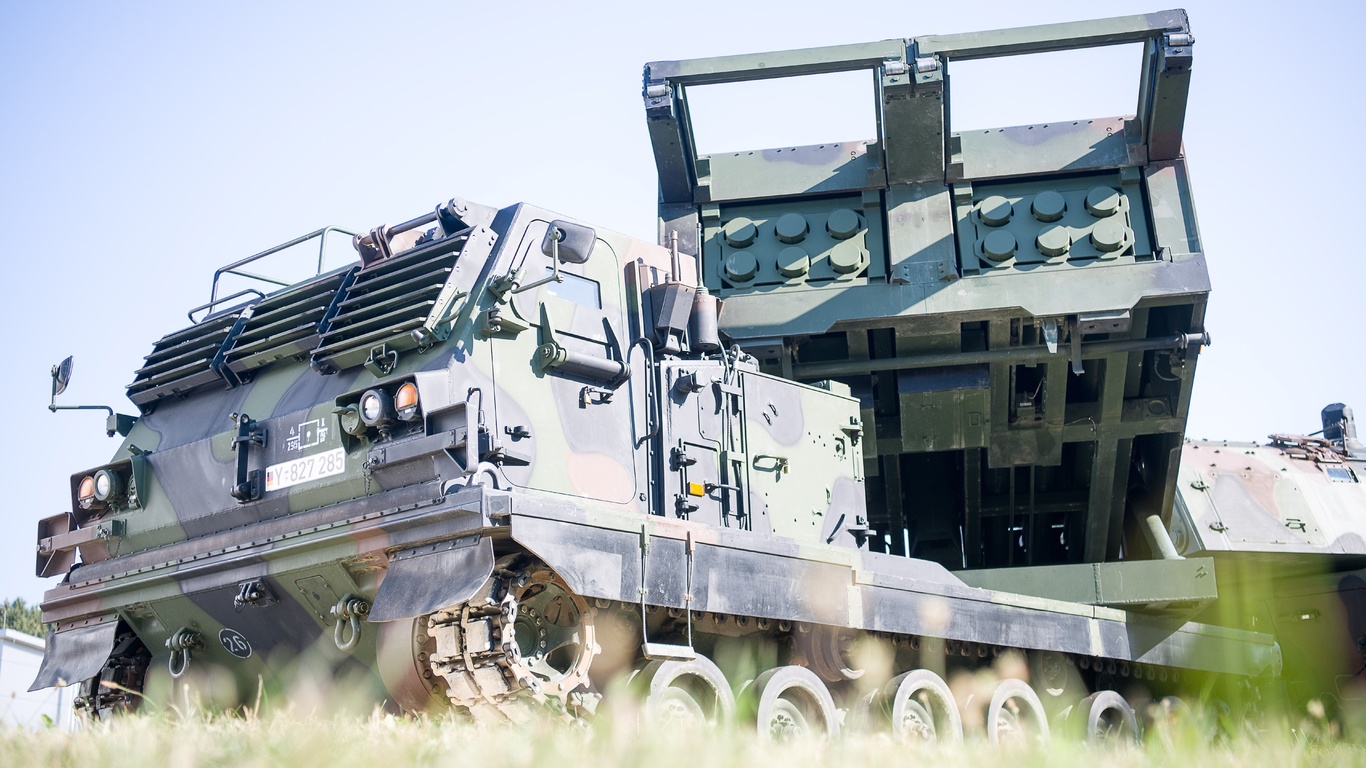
872, 415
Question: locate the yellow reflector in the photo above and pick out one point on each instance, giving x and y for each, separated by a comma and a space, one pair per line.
406, 397
87, 490
697, 489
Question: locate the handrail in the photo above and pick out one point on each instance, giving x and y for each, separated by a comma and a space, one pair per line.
652, 422
232, 269
229, 297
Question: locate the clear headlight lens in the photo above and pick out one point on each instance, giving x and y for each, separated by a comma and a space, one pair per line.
376, 407
108, 485
370, 407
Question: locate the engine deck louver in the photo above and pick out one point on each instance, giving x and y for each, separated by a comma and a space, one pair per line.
285, 325
385, 303
186, 359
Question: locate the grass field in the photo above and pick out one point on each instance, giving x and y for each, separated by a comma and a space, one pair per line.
187, 740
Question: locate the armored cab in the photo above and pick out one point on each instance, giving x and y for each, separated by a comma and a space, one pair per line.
1017, 309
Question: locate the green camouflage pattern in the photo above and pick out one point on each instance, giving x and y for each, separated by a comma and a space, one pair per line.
1020, 308
1283, 522
587, 452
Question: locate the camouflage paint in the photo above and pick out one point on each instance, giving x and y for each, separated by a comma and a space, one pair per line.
567, 413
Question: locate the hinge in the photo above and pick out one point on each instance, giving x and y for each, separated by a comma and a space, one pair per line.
683, 505
679, 458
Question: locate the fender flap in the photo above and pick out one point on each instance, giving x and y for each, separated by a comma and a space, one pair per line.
75, 655
431, 577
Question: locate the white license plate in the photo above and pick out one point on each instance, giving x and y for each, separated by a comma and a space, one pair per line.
304, 469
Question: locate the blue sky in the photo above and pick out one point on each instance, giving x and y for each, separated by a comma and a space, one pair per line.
144, 145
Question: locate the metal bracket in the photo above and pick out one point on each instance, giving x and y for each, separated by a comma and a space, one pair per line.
1050, 335
495, 322
111, 529
688, 383
726, 390
549, 354
780, 463
254, 594
555, 237
592, 395
114, 423
250, 483
381, 361
502, 286
438, 324
854, 429
1074, 337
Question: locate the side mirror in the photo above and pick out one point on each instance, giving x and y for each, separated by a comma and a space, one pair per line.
115, 424
61, 376
572, 242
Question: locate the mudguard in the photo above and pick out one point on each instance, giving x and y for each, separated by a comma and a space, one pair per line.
75, 655
427, 578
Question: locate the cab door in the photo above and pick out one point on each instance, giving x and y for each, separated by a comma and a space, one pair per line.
562, 416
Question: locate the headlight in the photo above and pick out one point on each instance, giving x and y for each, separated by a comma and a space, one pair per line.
376, 408
108, 485
405, 401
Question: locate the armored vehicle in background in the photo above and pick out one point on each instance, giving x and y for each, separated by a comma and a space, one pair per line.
1285, 524
872, 417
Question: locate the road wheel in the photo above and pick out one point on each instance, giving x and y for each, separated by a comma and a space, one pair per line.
791, 703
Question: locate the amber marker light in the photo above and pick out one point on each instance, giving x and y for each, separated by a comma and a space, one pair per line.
405, 401
86, 494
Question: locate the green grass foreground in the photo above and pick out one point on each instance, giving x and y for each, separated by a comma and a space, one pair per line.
287, 739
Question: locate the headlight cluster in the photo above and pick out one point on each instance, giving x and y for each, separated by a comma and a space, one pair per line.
101, 489
380, 408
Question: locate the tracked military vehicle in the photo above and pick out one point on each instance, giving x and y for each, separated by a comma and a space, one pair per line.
1283, 522
918, 397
